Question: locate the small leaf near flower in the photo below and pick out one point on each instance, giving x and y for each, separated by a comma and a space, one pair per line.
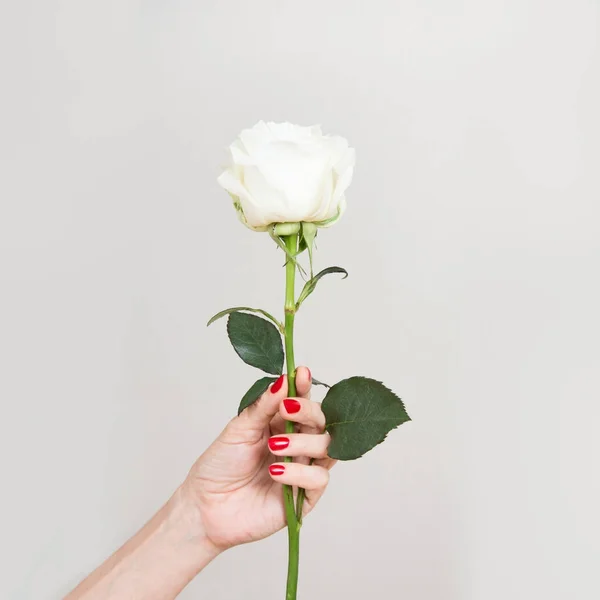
317, 382
256, 341
311, 284
228, 311
360, 412
255, 392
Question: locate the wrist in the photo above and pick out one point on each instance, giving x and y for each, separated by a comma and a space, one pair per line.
158, 562
185, 521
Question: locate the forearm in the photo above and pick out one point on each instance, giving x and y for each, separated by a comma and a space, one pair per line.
157, 563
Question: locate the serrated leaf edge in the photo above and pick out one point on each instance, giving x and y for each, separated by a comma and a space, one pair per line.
279, 372
406, 420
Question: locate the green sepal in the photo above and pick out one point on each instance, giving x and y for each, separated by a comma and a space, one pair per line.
256, 341
317, 382
285, 229
331, 220
311, 284
281, 244
309, 233
301, 246
359, 413
255, 392
228, 311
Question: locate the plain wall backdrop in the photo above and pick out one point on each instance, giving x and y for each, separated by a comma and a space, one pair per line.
472, 238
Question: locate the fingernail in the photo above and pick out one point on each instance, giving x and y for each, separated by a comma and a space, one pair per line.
309, 374
279, 443
276, 469
277, 385
292, 406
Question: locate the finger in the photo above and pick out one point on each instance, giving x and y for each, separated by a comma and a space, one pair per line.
277, 425
303, 411
303, 382
303, 385
300, 444
259, 415
311, 497
304, 476
327, 462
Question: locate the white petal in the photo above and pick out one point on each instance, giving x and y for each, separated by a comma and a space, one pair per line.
342, 161
271, 204
345, 170
291, 133
297, 170
325, 197
346, 160
253, 139
230, 182
239, 154
341, 209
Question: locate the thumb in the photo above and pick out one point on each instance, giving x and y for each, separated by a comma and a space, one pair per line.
260, 414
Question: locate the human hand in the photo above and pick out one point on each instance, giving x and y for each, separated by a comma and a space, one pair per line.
232, 495
236, 484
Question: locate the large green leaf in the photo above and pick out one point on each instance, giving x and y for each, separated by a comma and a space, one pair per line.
360, 412
311, 284
255, 392
256, 341
228, 311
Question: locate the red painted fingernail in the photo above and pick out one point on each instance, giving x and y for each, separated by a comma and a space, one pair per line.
292, 406
277, 385
276, 469
279, 443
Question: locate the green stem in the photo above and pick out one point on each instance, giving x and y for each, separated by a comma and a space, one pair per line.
300, 501
291, 243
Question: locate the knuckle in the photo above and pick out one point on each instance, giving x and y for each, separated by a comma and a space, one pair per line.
316, 412
324, 476
322, 452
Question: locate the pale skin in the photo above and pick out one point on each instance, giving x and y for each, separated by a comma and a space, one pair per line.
231, 496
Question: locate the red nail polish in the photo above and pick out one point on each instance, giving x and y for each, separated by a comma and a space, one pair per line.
277, 385
292, 406
276, 469
279, 443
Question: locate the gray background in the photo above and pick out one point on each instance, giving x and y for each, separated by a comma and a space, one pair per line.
472, 241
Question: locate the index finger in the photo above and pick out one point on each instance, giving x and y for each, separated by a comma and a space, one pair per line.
303, 382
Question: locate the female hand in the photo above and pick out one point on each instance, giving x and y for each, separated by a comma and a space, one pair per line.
236, 484
231, 496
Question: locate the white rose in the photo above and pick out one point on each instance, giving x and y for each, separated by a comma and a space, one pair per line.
284, 173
